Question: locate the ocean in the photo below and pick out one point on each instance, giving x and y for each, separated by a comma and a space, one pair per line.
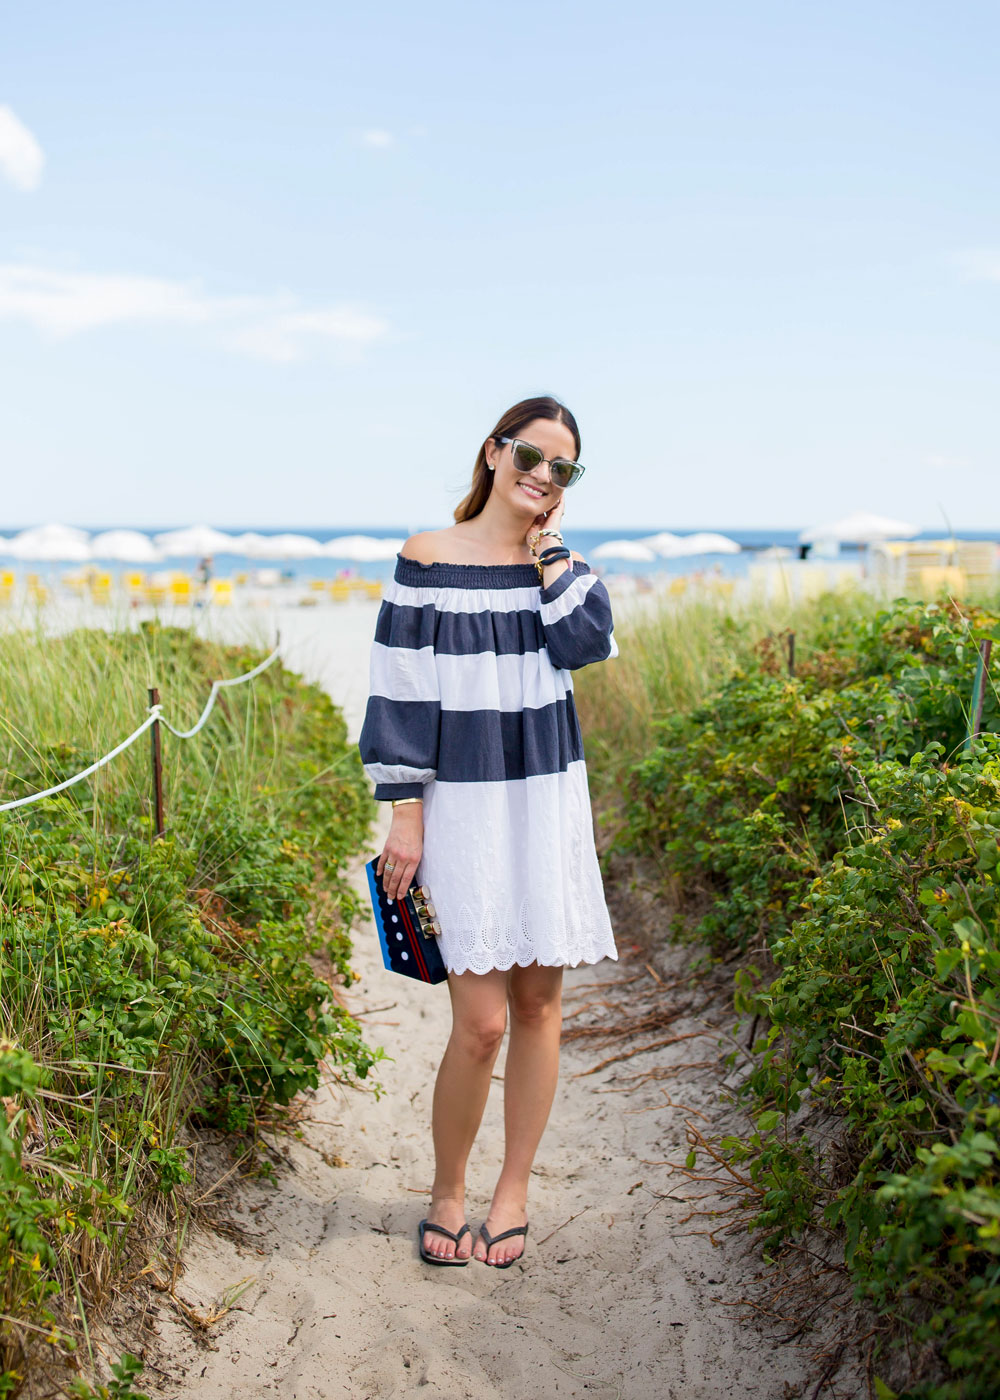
583, 541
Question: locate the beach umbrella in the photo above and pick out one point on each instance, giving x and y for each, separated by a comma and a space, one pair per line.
706, 542
775, 551
364, 548
194, 540
624, 549
860, 528
286, 546
667, 545
130, 546
51, 542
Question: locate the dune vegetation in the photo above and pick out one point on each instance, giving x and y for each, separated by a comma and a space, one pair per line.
836, 833
153, 985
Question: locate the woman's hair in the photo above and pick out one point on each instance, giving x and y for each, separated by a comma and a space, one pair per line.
509, 425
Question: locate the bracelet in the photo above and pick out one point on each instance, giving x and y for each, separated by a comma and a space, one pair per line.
401, 801
555, 533
554, 553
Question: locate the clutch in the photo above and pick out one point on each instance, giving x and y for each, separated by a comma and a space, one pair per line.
407, 931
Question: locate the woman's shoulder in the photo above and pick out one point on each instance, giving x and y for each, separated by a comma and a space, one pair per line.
427, 547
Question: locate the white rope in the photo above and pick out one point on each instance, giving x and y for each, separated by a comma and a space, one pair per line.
154, 715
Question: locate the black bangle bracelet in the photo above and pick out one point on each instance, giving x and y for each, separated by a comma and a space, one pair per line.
553, 554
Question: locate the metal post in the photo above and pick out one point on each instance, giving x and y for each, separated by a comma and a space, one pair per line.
791, 653
154, 738
978, 691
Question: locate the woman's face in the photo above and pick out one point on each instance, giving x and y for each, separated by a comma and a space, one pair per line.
532, 492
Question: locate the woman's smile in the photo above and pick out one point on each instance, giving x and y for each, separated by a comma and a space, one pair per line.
535, 491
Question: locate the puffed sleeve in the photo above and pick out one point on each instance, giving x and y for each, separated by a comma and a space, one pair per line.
576, 619
399, 737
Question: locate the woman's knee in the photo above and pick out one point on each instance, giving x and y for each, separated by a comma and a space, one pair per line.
536, 1006
480, 1035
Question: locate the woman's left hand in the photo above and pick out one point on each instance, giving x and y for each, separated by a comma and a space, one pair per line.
548, 520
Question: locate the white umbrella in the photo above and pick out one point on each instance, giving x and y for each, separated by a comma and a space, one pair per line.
860, 528
251, 544
288, 547
624, 549
706, 542
195, 540
668, 545
365, 548
130, 546
54, 542
775, 551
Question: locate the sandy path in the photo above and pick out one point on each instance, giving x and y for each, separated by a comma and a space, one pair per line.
623, 1301
620, 1302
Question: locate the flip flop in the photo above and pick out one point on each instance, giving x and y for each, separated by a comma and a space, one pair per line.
504, 1235
432, 1258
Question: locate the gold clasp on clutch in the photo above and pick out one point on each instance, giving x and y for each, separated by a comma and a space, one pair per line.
426, 913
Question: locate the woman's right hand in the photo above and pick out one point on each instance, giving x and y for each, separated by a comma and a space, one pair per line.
403, 848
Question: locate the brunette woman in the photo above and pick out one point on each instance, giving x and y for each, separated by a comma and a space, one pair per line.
472, 734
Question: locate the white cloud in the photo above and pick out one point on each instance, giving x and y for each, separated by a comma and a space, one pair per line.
21, 157
980, 264
944, 463
377, 139
60, 304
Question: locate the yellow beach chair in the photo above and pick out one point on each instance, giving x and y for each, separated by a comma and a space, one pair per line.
340, 590
180, 589
373, 588
8, 580
221, 594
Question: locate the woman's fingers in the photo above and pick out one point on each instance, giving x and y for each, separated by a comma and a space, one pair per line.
400, 879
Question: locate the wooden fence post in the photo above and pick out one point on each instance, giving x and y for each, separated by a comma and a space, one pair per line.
791, 653
154, 737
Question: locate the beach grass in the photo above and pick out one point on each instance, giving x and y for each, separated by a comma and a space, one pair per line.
151, 984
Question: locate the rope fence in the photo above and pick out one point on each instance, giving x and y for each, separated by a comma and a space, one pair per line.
152, 721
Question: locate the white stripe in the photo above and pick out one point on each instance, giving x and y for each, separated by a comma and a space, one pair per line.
478, 681
462, 600
398, 773
614, 648
568, 599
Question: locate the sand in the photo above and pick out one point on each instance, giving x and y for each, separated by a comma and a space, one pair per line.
617, 1294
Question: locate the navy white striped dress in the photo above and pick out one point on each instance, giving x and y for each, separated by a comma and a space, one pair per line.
471, 708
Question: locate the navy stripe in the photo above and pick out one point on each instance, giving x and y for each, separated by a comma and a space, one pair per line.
474, 746
459, 634
417, 575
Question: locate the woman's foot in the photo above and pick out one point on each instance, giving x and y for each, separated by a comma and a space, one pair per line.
448, 1211
501, 1218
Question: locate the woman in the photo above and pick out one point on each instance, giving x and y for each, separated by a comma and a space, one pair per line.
472, 734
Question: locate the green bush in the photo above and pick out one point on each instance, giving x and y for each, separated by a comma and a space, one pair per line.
151, 982
838, 821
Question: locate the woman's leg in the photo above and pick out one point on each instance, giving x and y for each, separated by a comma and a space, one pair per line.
530, 1076
479, 1018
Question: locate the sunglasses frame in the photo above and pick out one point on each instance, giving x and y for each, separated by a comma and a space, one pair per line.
578, 467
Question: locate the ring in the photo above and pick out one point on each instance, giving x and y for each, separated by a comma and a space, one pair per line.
389, 867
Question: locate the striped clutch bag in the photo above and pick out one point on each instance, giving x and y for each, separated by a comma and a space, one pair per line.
407, 931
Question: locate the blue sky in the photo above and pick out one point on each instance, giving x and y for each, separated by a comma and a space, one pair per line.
286, 264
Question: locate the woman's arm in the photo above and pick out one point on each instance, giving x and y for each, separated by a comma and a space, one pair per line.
399, 737
576, 617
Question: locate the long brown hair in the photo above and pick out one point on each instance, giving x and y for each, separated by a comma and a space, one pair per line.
509, 425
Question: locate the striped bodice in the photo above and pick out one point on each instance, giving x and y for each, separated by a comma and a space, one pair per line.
471, 673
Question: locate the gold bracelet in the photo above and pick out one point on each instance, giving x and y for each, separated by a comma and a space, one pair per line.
401, 801
534, 544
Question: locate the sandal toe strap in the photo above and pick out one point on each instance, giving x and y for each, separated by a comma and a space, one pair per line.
441, 1230
504, 1235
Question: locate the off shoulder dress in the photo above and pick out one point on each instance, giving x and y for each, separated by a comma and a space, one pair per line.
471, 708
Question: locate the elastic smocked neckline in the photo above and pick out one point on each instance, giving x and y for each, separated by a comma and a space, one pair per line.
420, 575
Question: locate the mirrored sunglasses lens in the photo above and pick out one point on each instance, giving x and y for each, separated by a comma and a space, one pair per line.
564, 473
525, 458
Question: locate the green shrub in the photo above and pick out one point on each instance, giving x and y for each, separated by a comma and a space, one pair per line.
837, 821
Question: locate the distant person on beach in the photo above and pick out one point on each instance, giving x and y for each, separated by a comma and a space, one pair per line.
472, 734
204, 570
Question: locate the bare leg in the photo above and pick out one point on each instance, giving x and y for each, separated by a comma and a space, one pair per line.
530, 1079
479, 1017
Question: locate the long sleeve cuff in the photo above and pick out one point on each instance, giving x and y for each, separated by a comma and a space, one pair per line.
390, 792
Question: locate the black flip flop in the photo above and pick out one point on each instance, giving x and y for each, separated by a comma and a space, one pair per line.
432, 1258
504, 1235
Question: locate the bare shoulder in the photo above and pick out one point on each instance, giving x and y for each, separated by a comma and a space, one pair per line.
427, 546
578, 556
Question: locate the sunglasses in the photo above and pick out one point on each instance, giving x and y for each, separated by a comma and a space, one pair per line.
526, 458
